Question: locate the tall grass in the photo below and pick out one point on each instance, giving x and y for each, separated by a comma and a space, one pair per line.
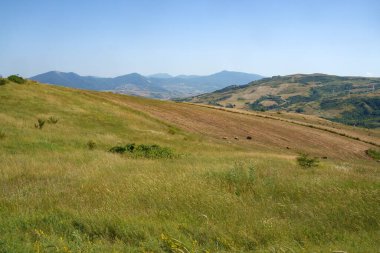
56, 195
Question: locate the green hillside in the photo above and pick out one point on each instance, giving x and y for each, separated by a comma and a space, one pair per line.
61, 190
349, 100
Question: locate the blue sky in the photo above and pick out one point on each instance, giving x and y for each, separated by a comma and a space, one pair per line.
268, 37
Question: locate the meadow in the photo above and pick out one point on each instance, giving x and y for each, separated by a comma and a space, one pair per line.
58, 193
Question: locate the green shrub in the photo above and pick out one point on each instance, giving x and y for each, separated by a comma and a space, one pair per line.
153, 151
52, 120
373, 154
16, 79
130, 147
3, 81
40, 124
118, 150
91, 145
305, 161
142, 150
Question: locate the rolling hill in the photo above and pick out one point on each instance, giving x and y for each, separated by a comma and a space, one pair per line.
349, 100
62, 190
160, 85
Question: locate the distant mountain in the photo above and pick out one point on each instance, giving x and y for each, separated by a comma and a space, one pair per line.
160, 75
160, 85
349, 100
187, 76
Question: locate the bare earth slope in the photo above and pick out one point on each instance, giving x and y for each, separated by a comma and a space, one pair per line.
265, 132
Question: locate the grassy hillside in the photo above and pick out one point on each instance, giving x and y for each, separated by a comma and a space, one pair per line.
59, 193
349, 100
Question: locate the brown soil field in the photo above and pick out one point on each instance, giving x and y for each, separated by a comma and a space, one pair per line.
288, 136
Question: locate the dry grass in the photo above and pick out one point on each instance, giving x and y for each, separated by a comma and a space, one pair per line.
56, 195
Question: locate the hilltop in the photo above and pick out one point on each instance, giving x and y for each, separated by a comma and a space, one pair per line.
220, 191
349, 100
160, 85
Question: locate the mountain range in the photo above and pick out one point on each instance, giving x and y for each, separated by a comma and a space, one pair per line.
161, 85
349, 100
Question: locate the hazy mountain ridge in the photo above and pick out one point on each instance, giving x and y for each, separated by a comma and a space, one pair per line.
350, 100
161, 85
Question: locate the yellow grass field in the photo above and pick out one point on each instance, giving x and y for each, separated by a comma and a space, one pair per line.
220, 192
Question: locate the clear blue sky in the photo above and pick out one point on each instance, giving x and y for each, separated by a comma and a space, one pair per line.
268, 37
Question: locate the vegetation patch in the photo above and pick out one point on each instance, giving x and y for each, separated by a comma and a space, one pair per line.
143, 150
52, 120
366, 111
307, 162
40, 124
239, 179
16, 79
3, 81
118, 149
214, 103
170, 244
375, 154
258, 105
91, 145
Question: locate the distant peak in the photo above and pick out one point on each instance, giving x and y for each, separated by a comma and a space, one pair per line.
160, 75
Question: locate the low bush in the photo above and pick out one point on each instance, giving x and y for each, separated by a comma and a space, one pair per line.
130, 147
40, 124
52, 120
143, 150
91, 145
118, 150
16, 79
3, 81
306, 162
